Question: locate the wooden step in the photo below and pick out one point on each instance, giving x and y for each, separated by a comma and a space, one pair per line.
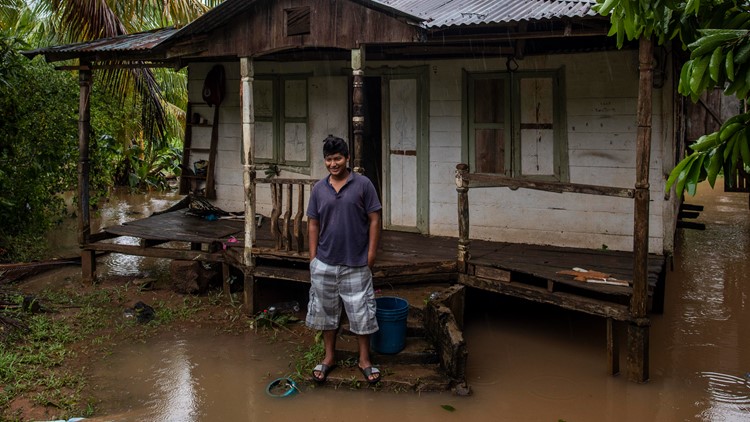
414, 326
688, 214
394, 377
690, 225
691, 207
416, 351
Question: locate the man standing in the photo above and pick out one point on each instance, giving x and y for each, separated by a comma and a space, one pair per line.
344, 231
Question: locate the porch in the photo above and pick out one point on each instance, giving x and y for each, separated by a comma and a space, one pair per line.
530, 272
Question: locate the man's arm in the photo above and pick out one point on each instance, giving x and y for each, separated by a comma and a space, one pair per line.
313, 233
374, 237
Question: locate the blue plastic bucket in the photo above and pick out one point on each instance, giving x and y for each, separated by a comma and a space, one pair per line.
391, 315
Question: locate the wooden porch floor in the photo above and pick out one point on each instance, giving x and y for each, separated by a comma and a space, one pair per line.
527, 271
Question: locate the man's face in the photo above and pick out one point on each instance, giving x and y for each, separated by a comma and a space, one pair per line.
336, 164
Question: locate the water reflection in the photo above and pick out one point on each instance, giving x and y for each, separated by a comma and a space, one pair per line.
184, 376
175, 398
119, 208
729, 396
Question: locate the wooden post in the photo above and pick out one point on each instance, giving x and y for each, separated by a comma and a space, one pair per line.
226, 273
613, 348
358, 116
462, 187
247, 73
638, 333
88, 258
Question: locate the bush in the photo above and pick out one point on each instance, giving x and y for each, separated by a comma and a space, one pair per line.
38, 144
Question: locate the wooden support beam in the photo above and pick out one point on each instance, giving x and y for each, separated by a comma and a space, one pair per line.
110, 66
638, 338
88, 262
638, 361
88, 265
247, 75
148, 243
462, 187
358, 115
563, 300
169, 253
226, 273
249, 291
478, 180
96, 237
613, 348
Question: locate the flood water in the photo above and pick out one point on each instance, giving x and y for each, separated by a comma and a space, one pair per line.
527, 362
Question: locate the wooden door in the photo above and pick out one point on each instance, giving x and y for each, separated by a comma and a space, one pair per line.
405, 152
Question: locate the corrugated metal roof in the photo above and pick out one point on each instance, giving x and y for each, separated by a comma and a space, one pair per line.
446, 13
142, 41
432, 14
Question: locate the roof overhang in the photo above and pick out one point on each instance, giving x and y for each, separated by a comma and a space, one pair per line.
381, 27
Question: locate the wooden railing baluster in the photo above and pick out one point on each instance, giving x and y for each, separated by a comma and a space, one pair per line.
299, 236
287, 228
286, 233
276, 193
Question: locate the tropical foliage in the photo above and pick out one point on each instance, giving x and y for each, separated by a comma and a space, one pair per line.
716, 33
38, 150
136, 114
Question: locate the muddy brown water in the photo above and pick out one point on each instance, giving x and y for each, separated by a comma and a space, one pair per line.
527, 362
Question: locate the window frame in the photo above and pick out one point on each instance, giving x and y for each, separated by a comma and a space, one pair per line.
512, 133
279, 119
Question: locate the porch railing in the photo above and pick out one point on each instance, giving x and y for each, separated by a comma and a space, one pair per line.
638, 323
466, 180
288, 210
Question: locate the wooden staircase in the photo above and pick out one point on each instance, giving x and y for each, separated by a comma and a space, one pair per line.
417, 367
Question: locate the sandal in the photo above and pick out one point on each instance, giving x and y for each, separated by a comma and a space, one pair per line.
370, 371
323, 370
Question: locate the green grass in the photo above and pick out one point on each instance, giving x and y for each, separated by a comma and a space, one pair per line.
306, 359
33, 361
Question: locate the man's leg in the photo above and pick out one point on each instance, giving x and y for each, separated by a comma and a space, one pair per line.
365, 365
329, 343
364, 353
357, 293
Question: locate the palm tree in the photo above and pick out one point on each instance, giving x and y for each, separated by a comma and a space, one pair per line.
51, 22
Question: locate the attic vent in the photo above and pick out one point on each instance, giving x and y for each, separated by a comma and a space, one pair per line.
297, 21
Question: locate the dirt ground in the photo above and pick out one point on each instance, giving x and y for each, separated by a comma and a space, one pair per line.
117, 295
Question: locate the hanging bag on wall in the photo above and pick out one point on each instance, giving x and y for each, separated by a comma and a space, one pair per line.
213, 86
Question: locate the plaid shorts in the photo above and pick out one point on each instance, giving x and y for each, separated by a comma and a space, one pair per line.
332, 285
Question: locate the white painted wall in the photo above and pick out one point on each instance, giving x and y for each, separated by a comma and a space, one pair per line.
601, 90
328, 114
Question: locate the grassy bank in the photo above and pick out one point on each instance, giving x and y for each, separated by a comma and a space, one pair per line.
47, 340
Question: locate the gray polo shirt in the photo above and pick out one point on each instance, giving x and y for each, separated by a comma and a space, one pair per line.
344, 226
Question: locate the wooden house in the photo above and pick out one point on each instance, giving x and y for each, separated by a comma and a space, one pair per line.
509, 141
